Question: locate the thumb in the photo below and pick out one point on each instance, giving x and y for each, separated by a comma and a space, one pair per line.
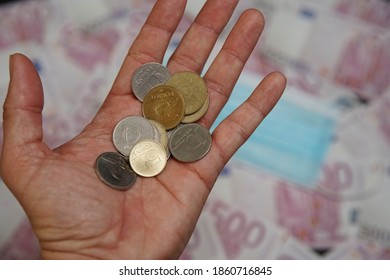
22, 111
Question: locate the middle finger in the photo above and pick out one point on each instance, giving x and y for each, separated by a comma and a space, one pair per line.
199, 40
225, 70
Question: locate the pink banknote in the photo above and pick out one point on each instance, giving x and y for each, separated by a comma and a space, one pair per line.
309, 216
22, 23
23, 245
372, 11
329, 41
343, 179
355, 166
364, 65
204, 243
357, 249
250, 214
293, 249
379, 114
243, 234
89, 48
374, 222
236, 231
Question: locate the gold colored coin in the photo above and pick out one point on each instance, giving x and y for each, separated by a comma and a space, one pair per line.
162, 131
148, 158
165, 105
192, 87
198, 114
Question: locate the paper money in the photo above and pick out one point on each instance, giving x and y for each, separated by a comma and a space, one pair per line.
355, 166
89, 48
357, 249
343, 210
378, 116
241, 232
204, 243
293, 249
357, 58
23, 245
309, 216
23, 23
243, 235
11, 214
374, 224
372, 11
368, 77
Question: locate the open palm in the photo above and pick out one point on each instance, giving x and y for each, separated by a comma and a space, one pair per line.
73, 214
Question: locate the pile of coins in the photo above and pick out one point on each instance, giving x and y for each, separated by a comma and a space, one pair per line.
171, 105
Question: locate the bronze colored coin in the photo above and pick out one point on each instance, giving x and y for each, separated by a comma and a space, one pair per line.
165, 105
192, 87
198, 114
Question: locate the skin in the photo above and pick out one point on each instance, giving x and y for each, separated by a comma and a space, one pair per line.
73, 214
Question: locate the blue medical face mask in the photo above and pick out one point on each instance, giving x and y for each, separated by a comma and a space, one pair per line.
291, 142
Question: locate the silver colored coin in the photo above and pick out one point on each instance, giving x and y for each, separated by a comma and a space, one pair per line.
147, 77
114, 170
170, 133
148, 158
129, 131
190, 142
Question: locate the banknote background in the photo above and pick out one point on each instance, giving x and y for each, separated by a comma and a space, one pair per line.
313, 182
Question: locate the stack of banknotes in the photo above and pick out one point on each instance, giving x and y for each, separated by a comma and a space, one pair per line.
312, 182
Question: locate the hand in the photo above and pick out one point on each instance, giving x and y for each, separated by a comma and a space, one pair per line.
73, 214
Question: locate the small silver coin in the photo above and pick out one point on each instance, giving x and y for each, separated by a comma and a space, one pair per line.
129, 131
190, 142
147, 77
114, 170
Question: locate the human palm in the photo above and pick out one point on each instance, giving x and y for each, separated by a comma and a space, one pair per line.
73, 214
